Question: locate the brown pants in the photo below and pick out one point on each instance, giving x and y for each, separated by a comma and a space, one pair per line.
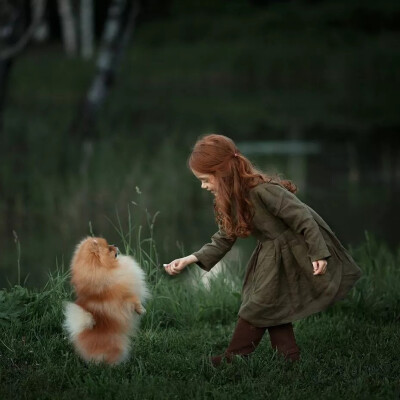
246, 338
283, 340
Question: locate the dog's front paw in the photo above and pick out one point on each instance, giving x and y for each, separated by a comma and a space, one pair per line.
140, 309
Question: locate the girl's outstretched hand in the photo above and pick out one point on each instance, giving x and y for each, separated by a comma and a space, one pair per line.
319, 267
175, 267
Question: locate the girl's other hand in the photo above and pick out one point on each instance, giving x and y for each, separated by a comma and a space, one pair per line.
319, 267
176, 267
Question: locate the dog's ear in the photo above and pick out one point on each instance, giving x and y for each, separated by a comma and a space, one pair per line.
94, 245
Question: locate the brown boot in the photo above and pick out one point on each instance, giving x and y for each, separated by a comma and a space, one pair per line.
283, 340
245, 339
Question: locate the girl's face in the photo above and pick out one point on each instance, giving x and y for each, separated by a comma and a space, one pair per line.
208, 181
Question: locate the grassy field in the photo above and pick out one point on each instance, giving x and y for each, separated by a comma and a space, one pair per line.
349, 351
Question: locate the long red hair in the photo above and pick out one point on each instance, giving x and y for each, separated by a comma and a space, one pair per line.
235, 175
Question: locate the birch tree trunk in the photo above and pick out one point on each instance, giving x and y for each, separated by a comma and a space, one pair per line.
86, 28
118, 28
68, 27
42, 31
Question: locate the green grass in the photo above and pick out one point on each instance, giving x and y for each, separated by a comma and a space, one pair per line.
349, 351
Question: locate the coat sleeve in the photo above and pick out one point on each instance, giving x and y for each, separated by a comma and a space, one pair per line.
297, 216
212, 252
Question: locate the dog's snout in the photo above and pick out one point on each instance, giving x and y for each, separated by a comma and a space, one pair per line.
114, 248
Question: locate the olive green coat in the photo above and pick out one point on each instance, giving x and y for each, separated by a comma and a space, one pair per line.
279, 285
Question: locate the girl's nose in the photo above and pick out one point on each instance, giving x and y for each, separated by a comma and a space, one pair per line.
203, 185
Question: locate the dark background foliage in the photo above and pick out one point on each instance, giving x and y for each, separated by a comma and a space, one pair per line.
307, 89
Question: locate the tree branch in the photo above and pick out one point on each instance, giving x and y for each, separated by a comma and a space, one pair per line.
38, 12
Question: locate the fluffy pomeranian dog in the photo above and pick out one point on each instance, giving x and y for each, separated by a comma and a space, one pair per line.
110, 290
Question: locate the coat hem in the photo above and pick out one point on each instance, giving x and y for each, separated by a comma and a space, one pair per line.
274, 322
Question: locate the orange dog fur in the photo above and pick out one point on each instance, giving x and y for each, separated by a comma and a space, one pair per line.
110, 291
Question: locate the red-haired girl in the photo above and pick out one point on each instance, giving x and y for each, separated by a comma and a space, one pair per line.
288, 276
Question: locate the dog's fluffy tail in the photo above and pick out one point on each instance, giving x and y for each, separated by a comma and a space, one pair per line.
76, 319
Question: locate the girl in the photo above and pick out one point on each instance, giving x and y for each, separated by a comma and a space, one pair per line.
298, 268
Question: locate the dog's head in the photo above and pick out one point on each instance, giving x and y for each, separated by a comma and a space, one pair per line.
95, 252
